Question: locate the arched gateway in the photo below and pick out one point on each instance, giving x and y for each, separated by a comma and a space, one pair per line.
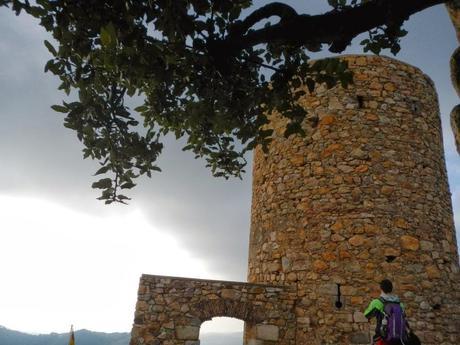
171, 310
362, 197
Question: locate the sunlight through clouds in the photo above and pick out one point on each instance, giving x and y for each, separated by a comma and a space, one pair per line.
61, 267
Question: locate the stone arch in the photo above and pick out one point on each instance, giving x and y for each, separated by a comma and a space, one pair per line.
206, 310
171, 310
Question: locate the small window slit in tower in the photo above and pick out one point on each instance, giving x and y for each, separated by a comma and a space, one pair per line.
437, 306
360, 101
338, 302
415, 107
390, 258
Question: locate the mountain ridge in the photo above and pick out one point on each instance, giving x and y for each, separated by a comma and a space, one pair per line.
87, 337
82, 337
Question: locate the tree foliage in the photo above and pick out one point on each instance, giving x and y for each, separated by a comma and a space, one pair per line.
209, 71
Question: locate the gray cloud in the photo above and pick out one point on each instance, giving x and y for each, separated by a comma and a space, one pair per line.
207, 215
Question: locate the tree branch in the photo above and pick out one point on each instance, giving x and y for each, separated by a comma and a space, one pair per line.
334, 27
274, 9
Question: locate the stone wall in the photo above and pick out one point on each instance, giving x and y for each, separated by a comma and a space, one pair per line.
363, 197
170, 310
453, 8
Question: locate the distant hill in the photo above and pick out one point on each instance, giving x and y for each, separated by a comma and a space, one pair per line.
82, 337
220, 339
85, 337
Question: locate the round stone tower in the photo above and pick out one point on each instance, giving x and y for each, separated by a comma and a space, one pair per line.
363, 197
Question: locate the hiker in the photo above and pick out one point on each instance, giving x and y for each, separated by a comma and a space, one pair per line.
392, 327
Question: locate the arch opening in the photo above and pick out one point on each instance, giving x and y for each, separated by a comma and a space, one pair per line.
222, 331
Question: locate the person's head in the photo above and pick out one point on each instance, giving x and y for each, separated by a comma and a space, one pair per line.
386, 286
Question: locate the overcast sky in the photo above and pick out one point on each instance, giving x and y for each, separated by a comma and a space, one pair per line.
67, 258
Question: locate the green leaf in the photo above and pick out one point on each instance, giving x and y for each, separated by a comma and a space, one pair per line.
141, 108
108, 35
188, 147
50, 47
102, 183
49, 65
60, 108
103, 170
127, 185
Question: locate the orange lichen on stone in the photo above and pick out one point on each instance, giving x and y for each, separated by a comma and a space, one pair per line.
401, 223
410, 243
356, 240
328, 151
320, 266
371, 117
327, 120
362, 168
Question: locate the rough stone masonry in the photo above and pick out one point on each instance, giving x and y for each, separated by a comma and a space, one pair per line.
364, 196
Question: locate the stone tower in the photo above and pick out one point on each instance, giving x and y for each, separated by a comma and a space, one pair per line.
363, 197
